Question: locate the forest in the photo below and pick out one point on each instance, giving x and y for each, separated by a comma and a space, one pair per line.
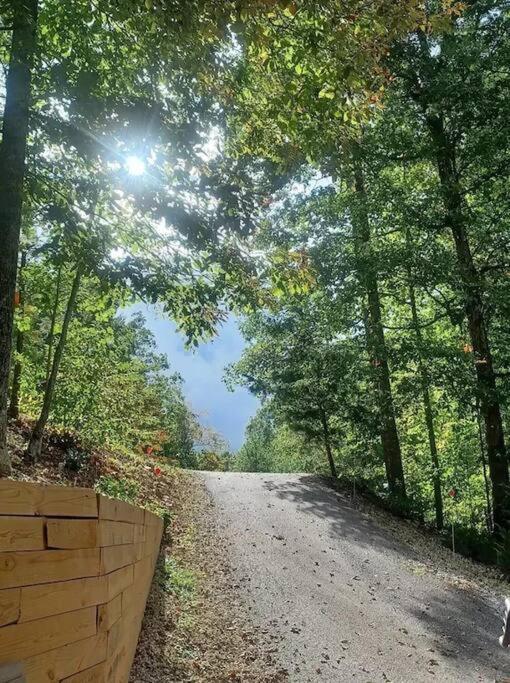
333, 172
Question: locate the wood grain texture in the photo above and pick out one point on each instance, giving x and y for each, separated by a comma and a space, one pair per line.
119, 510
115, 636
62, 596
23, 498
19, 641
150, 519
21, 533
75, 572
119, 580
97, 674
35, 567
116, 556
9, 606
139, 533
72, 533
67, 660
109, 613
116, 533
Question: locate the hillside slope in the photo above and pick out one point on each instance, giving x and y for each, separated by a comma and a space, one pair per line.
196, 627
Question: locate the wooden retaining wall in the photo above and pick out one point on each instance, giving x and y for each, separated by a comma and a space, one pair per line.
75, 572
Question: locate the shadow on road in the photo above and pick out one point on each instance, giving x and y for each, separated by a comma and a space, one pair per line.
464, 623
312, 496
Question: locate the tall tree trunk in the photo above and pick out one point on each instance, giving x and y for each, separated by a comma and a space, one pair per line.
12, 171
16, 375
473, 300
35, 443
425, 392
376, 341
488, 514
327, 443
51, 335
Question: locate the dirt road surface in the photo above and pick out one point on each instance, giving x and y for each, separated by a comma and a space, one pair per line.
351, 595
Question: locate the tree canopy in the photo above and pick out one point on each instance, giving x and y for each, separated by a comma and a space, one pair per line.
335, 172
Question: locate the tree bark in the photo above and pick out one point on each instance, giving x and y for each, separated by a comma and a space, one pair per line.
20, 338
427, 403
484, 470
51, 335
35, 443
327, 443
12, 171
376, 341
473, 300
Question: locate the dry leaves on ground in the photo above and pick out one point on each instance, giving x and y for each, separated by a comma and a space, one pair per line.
205, 636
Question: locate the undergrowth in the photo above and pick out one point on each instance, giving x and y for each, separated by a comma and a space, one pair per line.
117, 488
179, 581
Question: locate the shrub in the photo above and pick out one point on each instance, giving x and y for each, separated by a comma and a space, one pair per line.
480, 545
75, 459
117, 488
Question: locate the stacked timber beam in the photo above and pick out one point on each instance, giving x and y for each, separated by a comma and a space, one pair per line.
75, 572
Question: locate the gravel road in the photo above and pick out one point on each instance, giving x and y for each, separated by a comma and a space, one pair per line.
344, 597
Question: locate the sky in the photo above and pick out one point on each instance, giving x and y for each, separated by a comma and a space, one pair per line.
202, 370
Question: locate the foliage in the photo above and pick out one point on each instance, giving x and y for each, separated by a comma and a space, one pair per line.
210, 461
271, 446
117, 488
179, 581
335, 171
422, 286
75, 459
112, 387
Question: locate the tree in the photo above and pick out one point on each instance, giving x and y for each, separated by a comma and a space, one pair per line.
308, 107
82, 102
294, 360
255, 454
272, 446
13, 410
429, 68
12, 171
374, 331
35, 443
443, 85
113, 388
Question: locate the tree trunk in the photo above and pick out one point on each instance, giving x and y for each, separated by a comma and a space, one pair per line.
376, 341
327, 443
51, 335
12, 171
488, 512
427, 403
473, 301
16, 376
35, 443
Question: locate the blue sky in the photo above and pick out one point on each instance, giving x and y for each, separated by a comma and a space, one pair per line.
202, 370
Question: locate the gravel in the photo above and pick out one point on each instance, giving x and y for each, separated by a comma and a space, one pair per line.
351, 593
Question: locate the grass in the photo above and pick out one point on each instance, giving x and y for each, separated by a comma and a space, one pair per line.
179, 581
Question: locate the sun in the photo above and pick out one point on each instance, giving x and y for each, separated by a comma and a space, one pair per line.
134, 165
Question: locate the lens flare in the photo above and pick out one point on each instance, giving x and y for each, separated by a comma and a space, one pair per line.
134, 165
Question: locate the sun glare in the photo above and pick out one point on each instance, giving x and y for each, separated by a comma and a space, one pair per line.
134, 165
